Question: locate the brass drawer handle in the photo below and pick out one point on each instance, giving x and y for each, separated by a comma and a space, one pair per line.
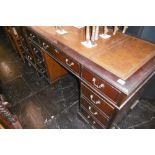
32, 36
56, 51
88, 116
93, 121
100, 86
94, 113
29, 57
45, 45
96, 102
71, 64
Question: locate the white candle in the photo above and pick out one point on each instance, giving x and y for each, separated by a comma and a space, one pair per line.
124, 29
105, 29
97, 33
115, 30
87, 34
93, 36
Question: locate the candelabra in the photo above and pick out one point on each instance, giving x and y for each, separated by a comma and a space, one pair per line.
60, 30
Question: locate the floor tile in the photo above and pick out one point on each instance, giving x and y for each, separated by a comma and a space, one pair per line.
9, 71
31, 113
69, 119
16, 90
69, 86
142, 113
35, 83
54, 101
145, 125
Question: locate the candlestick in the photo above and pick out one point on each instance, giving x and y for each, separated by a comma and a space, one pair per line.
87, 33
97, 33
93, 36
60, 30
105, 30
115, 30
124, 29
105, 35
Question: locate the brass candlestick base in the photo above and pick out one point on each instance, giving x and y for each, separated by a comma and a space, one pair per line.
105, 36
88, 44
60, 30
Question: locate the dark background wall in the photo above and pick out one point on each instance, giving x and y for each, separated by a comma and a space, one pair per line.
143, 32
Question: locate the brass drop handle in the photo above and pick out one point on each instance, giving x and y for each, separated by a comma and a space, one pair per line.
29, 57
45, 46
96, 102
94, 82
94, 113
88, 116
35, 50
31, 35
56, 51
69, 64
94, 122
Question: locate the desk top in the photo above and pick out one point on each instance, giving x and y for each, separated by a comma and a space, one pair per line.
121, 55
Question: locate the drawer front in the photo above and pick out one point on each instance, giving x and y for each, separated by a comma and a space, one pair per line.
89, 118
46, 46
101, 85
37, 51
23, 42
102, 104
68, 62
32, 36
38, 56
94, 112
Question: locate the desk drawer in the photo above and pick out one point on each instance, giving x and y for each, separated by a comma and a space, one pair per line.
102, 104
46, 46
101, 85
68, 62
38, 56
32, 36
94, 112
89, 118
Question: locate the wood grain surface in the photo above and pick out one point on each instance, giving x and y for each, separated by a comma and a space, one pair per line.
121, 54
125, 58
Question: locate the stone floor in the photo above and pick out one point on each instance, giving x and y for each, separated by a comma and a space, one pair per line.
40, 105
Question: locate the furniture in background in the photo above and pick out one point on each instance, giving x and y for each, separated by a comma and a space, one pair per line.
7, 119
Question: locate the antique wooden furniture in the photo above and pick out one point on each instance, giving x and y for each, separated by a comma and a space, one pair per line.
7, 119
111, 75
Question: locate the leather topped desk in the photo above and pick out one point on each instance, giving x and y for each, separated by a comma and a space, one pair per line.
112, 74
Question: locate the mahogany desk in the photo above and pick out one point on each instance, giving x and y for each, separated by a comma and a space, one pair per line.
112, 74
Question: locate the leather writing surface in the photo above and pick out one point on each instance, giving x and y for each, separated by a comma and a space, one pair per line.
125, 58
121, 54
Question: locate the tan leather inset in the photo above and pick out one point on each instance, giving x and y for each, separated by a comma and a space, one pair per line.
126, 58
